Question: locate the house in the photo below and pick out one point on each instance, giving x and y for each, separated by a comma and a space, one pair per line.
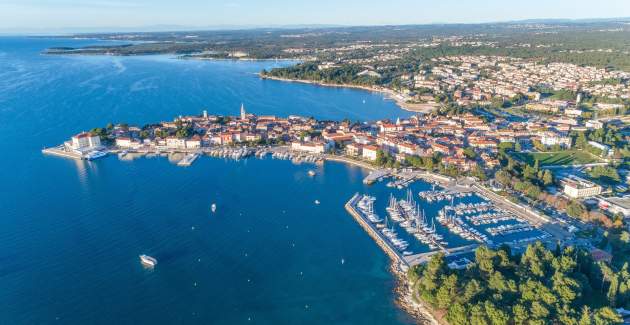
124, 142
354, 149
369, 152
311, 147
594, 124
193, 143
175, 143
552, 138
85, 140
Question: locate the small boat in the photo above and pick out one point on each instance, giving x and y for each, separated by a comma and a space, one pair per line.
317, 202
311, 173
148, 261
213, 208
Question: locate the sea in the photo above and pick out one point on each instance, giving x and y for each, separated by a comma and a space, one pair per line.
71, 231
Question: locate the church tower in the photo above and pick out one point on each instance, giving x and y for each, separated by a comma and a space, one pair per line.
243, 113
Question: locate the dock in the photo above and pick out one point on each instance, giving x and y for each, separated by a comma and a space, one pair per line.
375, 234
404, 262
61, 152
189, 159
375, 176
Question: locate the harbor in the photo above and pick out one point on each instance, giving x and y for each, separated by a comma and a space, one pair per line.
422, 219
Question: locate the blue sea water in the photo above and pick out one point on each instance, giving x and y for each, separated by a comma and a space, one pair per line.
71, 232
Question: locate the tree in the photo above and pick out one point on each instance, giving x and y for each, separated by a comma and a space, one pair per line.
585, 318
470, 153
575, 209
606, 315
547, 178
457, 315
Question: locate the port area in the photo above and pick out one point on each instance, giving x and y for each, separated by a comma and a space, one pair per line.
421, 219
64, 152
187, 157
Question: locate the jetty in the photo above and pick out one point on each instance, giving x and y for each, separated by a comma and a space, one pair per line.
380, 239
189, 159
375, 176
61, 152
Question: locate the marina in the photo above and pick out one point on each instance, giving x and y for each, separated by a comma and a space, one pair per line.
447, 221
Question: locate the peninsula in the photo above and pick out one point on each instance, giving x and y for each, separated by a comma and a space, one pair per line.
488, 232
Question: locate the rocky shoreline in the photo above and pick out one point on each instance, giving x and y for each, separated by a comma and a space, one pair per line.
390, 94
421, 313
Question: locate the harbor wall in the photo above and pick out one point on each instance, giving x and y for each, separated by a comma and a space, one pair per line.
373, 232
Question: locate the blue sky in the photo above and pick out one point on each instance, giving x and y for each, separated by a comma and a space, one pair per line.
74, 15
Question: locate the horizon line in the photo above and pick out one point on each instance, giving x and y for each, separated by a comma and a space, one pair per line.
161, 28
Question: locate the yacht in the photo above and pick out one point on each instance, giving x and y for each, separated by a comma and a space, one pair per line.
95, 155
148, 261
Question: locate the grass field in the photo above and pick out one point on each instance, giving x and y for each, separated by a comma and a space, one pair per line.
556, 158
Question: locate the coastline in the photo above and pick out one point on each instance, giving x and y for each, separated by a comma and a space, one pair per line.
406, 301
390, 94
403, 289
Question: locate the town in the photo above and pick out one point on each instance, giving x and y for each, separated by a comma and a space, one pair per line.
522, 155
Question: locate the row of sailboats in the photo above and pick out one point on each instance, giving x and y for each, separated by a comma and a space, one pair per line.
413, 219
366, 207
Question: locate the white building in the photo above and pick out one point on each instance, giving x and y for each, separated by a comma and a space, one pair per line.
193, 143
616, 205
311, 147
551, 139
369, 152
576, 187
124, 142
85, 140
175, 143
604, 148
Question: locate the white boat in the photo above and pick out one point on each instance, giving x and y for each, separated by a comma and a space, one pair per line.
213, 208
317, 202
148, 261
311, 173
95, 155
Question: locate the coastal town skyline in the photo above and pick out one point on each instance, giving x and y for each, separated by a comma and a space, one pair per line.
357, 162
54, 16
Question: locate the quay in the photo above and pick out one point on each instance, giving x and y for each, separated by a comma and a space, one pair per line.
189, 159
376, 235
375, 176
61, 152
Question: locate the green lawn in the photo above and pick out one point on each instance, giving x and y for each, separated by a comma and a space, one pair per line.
571, 157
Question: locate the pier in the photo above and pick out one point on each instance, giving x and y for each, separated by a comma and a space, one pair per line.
189, 159
61, 152
375, 234
375, 176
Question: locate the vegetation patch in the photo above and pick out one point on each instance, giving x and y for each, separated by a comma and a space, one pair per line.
563, 158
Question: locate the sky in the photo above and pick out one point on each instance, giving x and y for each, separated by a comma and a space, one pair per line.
90, 15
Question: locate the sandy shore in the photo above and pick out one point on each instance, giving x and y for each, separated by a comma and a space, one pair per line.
390, 94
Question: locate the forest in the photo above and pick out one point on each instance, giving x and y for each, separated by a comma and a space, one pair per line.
539, 286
